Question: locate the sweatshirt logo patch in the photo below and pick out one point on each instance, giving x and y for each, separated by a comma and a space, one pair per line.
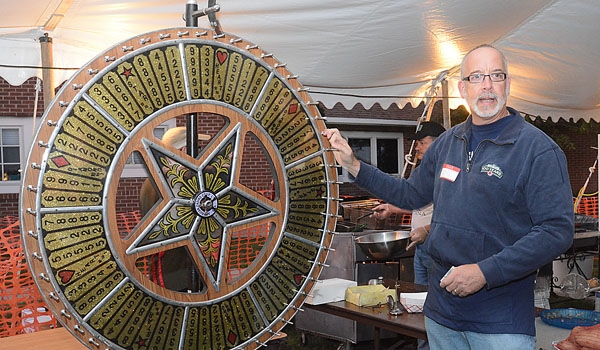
492, 170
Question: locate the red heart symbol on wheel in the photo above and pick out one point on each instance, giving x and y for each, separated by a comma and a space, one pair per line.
66, 275
298, 279
221, 56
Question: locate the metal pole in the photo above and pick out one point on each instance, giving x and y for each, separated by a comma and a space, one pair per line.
191, 136
191, 140
190, 7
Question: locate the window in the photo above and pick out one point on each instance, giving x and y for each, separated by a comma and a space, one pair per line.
10, 154
16, 135
383, 150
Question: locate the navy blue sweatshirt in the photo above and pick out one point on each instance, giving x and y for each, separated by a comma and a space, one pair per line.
508, 208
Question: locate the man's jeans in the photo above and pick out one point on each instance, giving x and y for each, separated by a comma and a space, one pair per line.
444, 338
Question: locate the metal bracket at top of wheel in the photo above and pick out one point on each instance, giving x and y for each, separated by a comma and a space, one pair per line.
192, 14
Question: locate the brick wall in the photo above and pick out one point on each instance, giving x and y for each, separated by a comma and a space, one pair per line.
19, 101
254, 171
128, 194
581, 159
9, 204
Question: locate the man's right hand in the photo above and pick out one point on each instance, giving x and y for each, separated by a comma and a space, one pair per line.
382, 211
342, 151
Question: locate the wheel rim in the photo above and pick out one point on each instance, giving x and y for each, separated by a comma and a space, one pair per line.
87, 267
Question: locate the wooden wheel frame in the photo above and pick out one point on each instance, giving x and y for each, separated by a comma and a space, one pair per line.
87, 269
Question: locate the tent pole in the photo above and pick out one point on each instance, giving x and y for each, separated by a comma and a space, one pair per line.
47, 74
190, 7
445, 105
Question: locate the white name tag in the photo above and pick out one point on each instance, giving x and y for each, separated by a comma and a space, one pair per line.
449, 172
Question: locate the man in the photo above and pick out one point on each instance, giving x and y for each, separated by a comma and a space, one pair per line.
420, 223
426, 133
503, 208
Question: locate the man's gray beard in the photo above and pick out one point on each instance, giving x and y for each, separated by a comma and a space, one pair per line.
495, 111
491, 113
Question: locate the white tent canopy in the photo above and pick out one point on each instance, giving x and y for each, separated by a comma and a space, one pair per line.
348, 51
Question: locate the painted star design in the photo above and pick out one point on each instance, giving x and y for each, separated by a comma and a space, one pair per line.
202, 203
127, 72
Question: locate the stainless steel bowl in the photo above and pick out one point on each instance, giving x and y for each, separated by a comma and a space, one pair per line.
384, 245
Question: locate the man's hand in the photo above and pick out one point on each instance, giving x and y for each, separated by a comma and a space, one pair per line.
342, 151
381, 211
464, 280
418, 236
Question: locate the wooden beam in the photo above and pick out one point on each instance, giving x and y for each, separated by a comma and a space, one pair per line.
445, 105
58, 14
47, 73
46, 50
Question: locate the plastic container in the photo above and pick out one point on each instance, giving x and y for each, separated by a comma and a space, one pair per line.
570, 318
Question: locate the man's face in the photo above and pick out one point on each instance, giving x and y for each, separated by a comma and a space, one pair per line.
422, 145
487, 100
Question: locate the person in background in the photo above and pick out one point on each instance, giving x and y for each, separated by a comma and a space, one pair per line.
503, 208
172, 269
426, 133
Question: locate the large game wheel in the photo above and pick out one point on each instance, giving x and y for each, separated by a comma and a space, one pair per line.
88, 268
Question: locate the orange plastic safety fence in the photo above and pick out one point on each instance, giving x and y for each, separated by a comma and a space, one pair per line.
406, 219
588, 206
245, 246
127, 221
399, 220
22, 308
143, 264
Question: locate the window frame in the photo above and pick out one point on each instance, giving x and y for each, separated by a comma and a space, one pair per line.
24, 126
373, 136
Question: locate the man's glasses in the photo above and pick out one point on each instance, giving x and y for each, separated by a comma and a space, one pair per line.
478, 77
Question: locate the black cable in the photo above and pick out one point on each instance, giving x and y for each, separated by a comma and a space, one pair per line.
37, 67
